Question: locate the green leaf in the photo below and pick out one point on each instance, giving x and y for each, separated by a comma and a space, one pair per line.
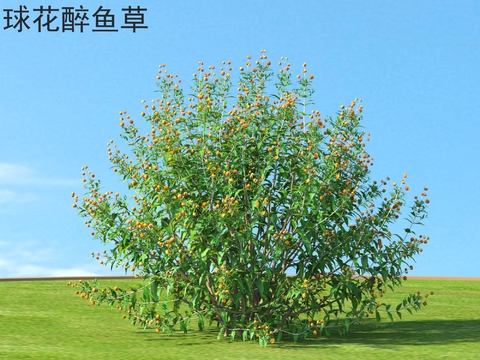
220, 256
384, 274
365, 261
183, 327
377, 317
244, 335
146, 294
333, 291
279, 336
306, 242
113, 292
354, 303
273, 218
201, 280
259, 285
154, 291
249, 284
194, 300
300, 269
204, 254
224, 316
201, 322
390, 316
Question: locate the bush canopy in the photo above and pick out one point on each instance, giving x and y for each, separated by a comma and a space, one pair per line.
251, 209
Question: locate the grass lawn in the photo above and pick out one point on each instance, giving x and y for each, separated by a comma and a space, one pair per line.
46, 320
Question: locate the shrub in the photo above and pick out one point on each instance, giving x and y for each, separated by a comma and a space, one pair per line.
252, 209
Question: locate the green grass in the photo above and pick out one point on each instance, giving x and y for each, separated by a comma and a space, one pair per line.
45, 320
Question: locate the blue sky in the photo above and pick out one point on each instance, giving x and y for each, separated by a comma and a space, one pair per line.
414, 64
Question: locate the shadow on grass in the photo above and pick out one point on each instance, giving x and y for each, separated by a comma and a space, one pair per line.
432, 332
193, 337
435, 332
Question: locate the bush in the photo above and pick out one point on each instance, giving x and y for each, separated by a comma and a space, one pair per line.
254, 214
